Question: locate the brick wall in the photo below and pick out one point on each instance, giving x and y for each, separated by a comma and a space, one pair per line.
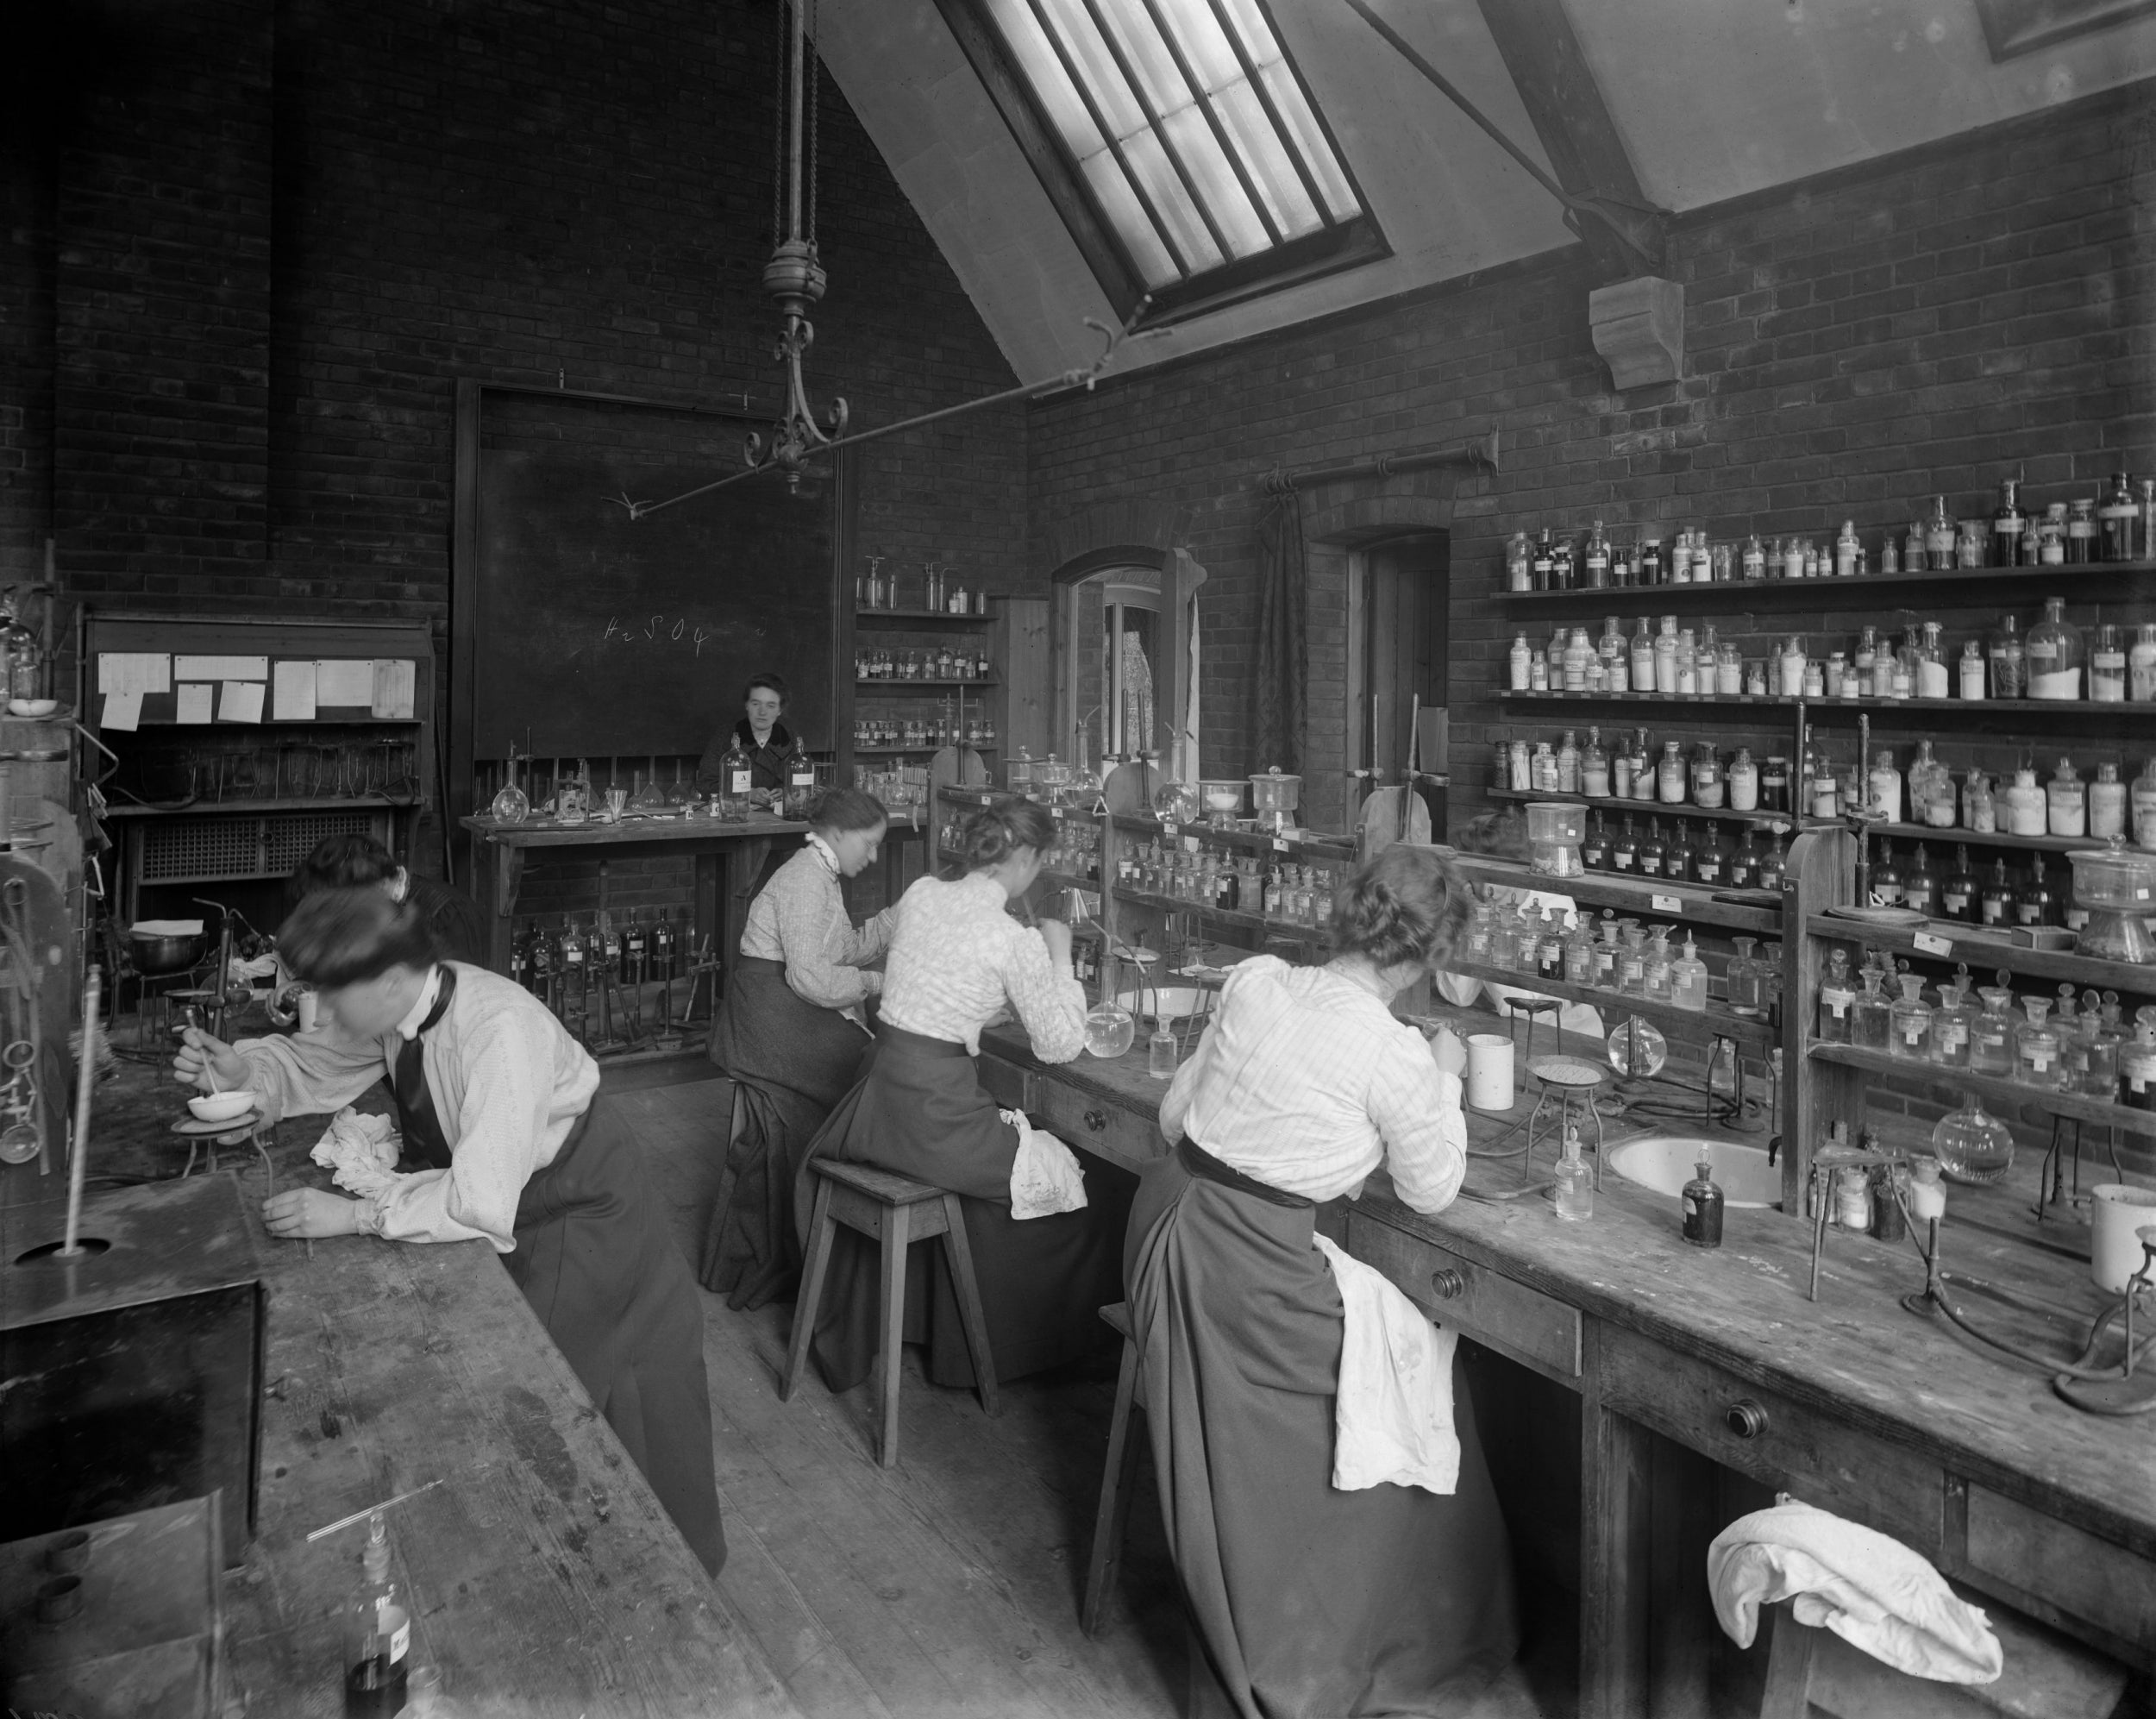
1926, 325
238, 286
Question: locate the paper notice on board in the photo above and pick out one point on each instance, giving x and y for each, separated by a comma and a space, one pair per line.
293, 685
135, 671
242, 701
222, 667
194, 704
395, 680
123, 712
344, 683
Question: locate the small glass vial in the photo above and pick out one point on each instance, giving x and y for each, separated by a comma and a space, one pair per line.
1573, 1193
1160, 1053
1701, 1204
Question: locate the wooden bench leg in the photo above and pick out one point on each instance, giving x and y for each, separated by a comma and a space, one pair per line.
1789, 1668
820, 1227
1118, 1479
891, 1310
970, 1314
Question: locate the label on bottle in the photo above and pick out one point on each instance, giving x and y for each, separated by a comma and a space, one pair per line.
802, 779
1930, 943
1666, 904
1955, 904
1279, 844
741, 782
400, 1637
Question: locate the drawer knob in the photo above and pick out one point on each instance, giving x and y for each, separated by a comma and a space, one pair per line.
1447, 1283
1746, 1418
1096, 1120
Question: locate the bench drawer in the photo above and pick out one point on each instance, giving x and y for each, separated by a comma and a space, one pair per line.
1006, 1083
1535, 1329
1775, 1440
2082, 1576
1097, 1124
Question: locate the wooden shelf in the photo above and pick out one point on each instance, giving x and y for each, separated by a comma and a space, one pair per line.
932, 748
1988, 953
1757, 912
1715, 1020
1234, 918
213, 807
1935, 838
905, 683
1786, 821
1920, 716
1960, 588
2007, 1094
1332, 849
915, 618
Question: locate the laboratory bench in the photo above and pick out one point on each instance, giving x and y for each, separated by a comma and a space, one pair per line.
1704, 1381
545, 1578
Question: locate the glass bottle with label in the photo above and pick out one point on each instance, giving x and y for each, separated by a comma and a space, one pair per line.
1866, 660
1979, 809
1871, 1015
1971, 668
1743, 783
2107, 666
2106, 802
1994, 901
1642, 654
1837, 994
1929, 663
1791, 683
1707, 783
1597, 559
1657, 985
1710, 859
1920, 885
1594, 767
2118, 521
1773, 866
379, 1633
1577, 654
1568, 762
2056, 654
1743, 866
1774, 784
1595, 846
2066, 797
2024, 803
1650, 850
1669, 775
1939, 534
2033, 902
1959, 889
1665, 658
1886, 879
1624, 852
1884, 788
1544, 766
737, 781
1678, 856
2009, 661
1910, 1021
2007, 523
1931, 788
2037, 1061
1950, 1020
1991, 1033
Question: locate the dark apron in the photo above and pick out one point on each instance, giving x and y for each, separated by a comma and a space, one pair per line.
1309, 1601
594, 1258
920, 1110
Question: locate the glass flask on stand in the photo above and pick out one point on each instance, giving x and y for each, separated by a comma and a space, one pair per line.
1972, 1145
511, 805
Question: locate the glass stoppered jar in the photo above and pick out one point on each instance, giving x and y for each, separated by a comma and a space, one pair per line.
1870, 1023
1911, 1020
2056, 654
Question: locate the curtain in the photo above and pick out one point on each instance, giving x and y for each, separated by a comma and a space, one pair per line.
1281, 673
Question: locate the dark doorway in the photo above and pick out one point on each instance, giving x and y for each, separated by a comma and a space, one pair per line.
1406, 592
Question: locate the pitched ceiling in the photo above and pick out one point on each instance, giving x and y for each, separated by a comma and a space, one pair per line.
1715, 98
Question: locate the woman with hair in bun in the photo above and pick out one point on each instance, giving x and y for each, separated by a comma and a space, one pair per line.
791, 1035
1309, 1599
957, 961
507, 1138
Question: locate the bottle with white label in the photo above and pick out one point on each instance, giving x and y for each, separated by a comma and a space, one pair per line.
2024, 803
378, 1633
1594, 767
2107, 803
2107, 666
1743, 783
1845, 550
1516, 663
1791, 684
2067, 796
1642, 652
2141, 665
1884, 788
1665, 658
1972, 670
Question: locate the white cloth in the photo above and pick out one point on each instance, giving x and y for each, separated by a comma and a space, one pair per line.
1305, 1081
1873, 1591
508, 1084
1391, 1416
956, 959
363, 1150
1045, 1178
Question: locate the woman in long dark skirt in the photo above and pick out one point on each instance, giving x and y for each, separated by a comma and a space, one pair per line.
1308, 1600
957, 961
791, 1036
502, 1113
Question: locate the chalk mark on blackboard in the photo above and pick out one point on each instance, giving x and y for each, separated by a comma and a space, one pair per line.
656, 631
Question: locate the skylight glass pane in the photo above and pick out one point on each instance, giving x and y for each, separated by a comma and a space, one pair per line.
1197, 33
1038, 65
1309, 141
1192, 140
1118, 203
1186, 227
1250, 129
1119, 105
1159, 77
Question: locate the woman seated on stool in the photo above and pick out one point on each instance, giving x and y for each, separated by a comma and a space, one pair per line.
502, 1110
791, 1035
956, 960
1309, 1600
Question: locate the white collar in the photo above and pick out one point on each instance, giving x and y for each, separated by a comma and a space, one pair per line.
824, 851
408, 1028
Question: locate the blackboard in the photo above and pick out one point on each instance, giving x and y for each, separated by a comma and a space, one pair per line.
582, 632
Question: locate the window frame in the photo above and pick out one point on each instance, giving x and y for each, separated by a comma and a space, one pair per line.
1348, 244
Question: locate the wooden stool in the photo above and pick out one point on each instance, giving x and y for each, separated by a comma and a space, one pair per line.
897, 1213
737, 1124
1118, 1478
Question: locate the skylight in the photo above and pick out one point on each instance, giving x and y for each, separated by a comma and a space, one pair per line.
1191, 135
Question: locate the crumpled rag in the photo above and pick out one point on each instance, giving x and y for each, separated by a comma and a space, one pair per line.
1873, 1591
1393, 1413
1044, 1176
362, 1151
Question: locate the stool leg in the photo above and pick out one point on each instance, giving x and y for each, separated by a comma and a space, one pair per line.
891, 1320
819, 1260
969, 1310
1118, 1477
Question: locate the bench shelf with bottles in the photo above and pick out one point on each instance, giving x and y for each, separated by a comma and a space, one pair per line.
2117, 581
1244, 884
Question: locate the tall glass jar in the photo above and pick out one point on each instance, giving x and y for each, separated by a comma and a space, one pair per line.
2009, 661
2056, 654
1991, 1033
1870, 1016
1910, 1020
1837, 993
2107, 666
1931, 786
1950, 1021
1930, 663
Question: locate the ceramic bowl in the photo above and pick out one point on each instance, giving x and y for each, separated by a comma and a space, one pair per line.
33, 706
221, 1107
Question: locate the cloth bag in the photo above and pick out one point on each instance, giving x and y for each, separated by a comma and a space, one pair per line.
1045, 1178
1393, 1414
1870, 1591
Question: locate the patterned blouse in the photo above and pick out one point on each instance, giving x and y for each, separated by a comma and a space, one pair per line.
800, 918
508, 1084
957, 958
1306, 1082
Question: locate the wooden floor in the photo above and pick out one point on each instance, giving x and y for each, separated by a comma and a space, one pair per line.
949, 1584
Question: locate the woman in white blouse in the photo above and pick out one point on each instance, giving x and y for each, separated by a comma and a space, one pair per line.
791, 1035
958, 961
1388, 1600
506, 1137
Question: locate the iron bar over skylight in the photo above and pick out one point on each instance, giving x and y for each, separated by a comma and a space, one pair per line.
1191, 135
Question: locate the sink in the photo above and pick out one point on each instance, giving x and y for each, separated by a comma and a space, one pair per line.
1666, 1162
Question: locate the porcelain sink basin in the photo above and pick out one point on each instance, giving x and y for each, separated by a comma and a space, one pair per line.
1665, 1162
